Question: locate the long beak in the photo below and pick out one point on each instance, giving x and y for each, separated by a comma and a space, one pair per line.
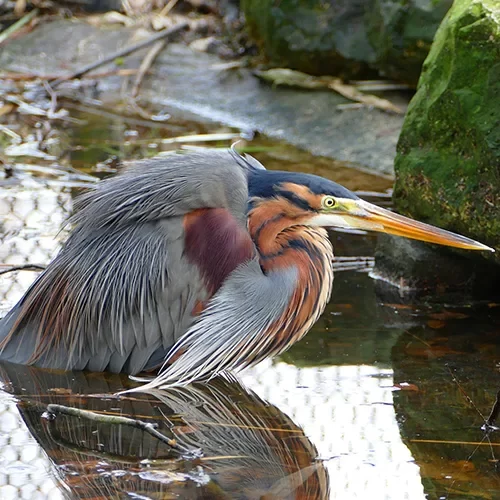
360, 214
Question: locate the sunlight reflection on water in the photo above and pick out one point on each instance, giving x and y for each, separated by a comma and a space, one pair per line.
25, 470
347, 413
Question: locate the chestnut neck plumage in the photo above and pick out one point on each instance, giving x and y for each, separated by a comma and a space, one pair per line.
283, 240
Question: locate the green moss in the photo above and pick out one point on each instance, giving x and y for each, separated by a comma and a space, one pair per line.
448, 161
332, 37
313, 36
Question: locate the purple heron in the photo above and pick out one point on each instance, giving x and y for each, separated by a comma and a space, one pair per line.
202, 263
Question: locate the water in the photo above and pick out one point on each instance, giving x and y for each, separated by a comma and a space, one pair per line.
383, 399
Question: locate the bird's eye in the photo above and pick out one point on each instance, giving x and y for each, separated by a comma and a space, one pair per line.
329, 202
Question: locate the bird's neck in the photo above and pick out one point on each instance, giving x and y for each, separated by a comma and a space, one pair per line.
284, 242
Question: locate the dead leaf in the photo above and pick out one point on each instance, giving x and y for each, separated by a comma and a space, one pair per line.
60, 390
6, 109
186, 429
111, 17
444, 315
400, 306
20, 7
436, 324
429, 352
343, 306
463, 465
292, 78
352, 93
405, 386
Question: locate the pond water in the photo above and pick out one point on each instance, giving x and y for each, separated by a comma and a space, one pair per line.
383, 399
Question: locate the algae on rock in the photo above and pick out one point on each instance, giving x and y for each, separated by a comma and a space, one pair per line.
448, 159
346, 37
401, 33
313, 36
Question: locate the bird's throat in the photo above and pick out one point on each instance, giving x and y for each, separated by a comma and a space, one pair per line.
282, 242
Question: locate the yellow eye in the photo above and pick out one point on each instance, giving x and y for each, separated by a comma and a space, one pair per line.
328, 202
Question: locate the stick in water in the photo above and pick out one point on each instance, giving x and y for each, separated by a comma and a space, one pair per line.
54, 409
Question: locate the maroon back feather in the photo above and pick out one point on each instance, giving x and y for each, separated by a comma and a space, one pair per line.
216, 243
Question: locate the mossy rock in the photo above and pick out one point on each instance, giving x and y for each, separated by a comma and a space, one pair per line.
401, 33
347, 38
448, 155
314, 36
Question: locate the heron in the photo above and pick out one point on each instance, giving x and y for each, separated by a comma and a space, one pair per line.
190, 265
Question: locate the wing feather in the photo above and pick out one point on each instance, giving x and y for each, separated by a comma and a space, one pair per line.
233, 330
125, 285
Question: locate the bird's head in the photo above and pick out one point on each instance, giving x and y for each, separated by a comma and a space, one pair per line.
309, 200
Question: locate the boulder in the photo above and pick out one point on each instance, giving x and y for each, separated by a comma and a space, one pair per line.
346, 37
313, 36
401, 33
448, 154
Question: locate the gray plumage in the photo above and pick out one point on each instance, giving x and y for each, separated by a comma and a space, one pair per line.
204, 261
233, 329
121, 292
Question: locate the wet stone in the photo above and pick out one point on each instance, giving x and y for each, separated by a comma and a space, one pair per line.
419, 269
191, 81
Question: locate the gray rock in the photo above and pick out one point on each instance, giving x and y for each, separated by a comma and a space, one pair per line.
308, 119
318, 37
419, 269
190, 81
342, 37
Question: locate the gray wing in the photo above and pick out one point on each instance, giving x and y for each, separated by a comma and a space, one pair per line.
239, 328
124, 287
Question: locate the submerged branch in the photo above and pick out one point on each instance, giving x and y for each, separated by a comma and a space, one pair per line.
465, 395
55, 409
82, 450
24, 267
445, 441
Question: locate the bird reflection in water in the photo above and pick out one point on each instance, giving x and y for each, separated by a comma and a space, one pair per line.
251, 450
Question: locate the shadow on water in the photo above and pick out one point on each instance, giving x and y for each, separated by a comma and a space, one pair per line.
383, 399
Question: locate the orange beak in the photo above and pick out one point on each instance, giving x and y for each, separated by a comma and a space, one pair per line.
359, 214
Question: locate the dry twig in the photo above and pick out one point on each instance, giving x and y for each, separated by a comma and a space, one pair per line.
146, 64
20, 77
292, 78
18, 25
25, 267
122, 53
170, 5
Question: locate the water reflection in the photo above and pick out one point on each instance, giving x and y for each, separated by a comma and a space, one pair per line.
251, 449
375, 402
452, 362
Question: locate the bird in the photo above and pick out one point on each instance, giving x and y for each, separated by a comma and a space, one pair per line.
190, 265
